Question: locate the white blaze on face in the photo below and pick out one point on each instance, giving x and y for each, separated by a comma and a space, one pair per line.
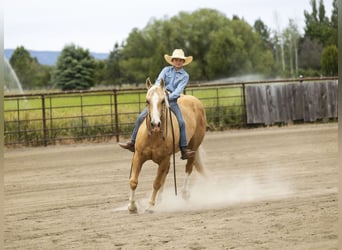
155, 116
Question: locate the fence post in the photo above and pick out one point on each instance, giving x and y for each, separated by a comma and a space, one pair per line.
44, 121
51, 121
111, 106
116, 115
18, 118
244, 113
218, 108
82, 117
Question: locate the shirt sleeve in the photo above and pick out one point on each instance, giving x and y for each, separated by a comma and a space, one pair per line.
161, 76
180, 88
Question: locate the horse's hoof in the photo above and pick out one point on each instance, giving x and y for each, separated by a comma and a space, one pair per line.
132, 209
150, 208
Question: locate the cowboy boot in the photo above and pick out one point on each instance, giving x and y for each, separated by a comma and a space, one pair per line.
187, 153
127, 145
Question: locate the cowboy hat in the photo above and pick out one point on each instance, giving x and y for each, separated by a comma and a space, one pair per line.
178, 53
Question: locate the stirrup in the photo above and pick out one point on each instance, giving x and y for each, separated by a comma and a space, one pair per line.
187, 153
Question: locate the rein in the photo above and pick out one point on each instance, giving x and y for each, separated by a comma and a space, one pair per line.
173, 144
173, 153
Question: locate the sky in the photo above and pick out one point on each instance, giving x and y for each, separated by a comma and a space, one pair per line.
98, 24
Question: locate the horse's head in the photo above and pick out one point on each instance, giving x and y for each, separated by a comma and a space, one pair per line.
157, 103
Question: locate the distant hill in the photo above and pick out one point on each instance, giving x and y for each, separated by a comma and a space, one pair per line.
50, 57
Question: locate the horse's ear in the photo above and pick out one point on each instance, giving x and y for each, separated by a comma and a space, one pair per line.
148, 83
162, 84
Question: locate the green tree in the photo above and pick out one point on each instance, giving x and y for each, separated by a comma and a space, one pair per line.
108, 72
43, 76
320, 32
31, 74
317, 24
135, 59
21, 62
271, 47
114, 63
310, 54
75, 69
199, 28
333, 33
100, 72
236, 49
221, 47
329, 61
144, 50
261, 28
221, 56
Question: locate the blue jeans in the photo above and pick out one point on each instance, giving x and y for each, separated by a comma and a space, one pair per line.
140, 119
176, 110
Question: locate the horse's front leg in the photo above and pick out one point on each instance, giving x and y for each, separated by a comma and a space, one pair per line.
132, 207
133, 182
159, 181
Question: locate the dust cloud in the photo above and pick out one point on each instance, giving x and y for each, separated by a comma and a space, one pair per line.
215, 192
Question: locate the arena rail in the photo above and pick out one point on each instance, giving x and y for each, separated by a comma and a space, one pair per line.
49, 118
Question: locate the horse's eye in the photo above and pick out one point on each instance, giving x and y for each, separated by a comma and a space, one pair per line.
163, 101
147, 102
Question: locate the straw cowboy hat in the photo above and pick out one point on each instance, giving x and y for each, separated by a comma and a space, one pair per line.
178, 53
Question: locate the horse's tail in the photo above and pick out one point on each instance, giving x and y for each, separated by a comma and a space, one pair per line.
199, 162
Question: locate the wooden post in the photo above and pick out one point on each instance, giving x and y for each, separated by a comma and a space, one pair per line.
117, 132
44, 121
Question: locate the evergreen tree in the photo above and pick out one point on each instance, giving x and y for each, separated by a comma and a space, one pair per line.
75, 69
333, 34
317, 24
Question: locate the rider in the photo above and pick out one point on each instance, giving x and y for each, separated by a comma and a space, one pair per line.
175, 79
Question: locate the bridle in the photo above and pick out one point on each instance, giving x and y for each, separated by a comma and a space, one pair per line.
163, 118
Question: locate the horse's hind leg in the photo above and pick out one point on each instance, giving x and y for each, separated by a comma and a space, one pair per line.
188, 171
197, 162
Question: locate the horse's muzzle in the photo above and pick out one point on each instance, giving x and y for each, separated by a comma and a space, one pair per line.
155, 126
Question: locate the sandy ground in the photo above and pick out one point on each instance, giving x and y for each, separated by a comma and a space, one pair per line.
269, 188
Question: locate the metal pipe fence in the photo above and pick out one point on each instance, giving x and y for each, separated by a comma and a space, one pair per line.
50, 118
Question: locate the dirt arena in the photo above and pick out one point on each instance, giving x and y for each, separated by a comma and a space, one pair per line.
268, 188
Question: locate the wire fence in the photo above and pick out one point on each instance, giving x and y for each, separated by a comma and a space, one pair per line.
52, 118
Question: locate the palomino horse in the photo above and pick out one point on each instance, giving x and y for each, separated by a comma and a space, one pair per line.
155, 141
